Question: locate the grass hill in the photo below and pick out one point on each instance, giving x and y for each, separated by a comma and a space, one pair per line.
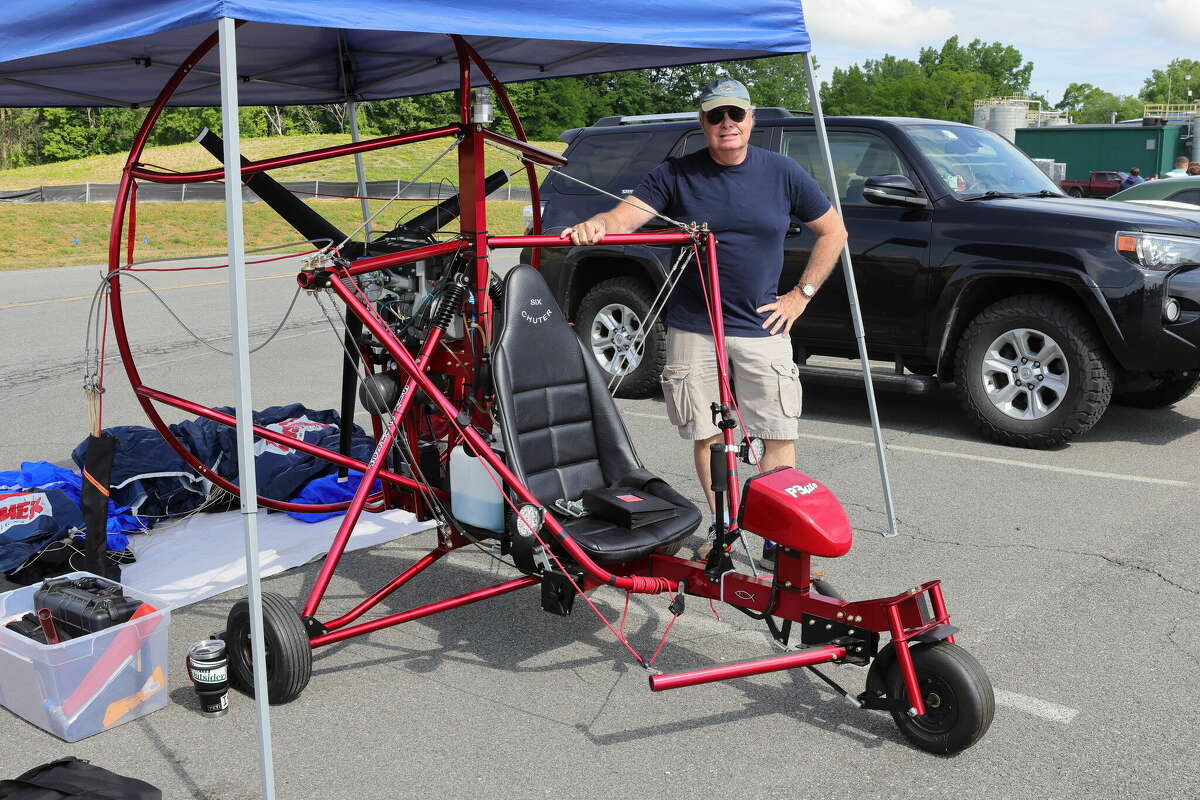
61, 234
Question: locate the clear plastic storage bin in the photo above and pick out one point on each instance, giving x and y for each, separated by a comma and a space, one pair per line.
85, 685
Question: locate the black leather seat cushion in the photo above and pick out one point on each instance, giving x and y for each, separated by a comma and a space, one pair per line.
562, 431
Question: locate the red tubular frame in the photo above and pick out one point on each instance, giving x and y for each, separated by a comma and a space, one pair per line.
901, 615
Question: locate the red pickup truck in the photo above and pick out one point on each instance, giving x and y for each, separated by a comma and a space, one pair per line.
1098, 184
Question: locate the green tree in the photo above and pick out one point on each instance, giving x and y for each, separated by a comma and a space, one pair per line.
1091, 104
1171, 85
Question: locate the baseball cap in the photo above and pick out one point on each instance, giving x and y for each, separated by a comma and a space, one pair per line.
724, 92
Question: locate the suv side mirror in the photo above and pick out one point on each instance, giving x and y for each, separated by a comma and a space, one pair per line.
893, 190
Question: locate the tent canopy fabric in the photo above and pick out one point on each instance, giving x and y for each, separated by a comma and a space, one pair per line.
120, 52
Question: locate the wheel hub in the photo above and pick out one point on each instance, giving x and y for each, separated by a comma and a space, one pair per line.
614, 339
1025, 374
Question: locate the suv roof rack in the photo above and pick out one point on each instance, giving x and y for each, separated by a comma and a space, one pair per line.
769, 112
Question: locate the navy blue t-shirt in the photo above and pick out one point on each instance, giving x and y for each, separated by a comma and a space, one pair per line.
748, 206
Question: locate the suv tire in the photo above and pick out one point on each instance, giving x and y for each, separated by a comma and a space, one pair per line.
610, 315
1162, 393
1070, 391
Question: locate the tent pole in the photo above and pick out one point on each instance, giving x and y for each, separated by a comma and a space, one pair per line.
352, 110
814, 98
239, 321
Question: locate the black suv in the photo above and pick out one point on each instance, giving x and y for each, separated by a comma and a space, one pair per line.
972, 268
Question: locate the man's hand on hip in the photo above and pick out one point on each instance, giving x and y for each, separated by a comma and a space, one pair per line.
784, 311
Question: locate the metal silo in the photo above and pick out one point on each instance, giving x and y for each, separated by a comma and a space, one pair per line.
1005, 120
982, 113
1196, 136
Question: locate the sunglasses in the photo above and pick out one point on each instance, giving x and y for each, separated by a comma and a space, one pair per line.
715, 116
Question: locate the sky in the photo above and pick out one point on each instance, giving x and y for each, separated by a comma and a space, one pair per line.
1112, 44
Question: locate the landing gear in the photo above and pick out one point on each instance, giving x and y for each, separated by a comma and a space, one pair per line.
289, 657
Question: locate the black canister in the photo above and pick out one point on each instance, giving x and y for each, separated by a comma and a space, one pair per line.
207, 666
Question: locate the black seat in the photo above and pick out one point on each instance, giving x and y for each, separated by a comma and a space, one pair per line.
562, 432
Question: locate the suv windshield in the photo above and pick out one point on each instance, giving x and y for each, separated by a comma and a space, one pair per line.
972, 162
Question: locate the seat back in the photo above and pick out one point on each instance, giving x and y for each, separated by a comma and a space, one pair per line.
561, 429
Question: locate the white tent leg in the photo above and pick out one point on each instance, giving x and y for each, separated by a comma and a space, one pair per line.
239, 321
814, 98
352, 110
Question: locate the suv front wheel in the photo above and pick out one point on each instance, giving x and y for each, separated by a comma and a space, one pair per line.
612, 321
1031, 372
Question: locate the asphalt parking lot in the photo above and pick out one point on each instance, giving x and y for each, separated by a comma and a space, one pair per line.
1072, 574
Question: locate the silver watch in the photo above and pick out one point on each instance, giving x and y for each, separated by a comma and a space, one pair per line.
808, 290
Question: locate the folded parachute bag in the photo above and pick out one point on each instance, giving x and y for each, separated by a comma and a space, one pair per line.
148, 477
280, 471
44, 475
29, 520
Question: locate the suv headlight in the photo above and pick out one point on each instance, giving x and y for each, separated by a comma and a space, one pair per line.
1156, 252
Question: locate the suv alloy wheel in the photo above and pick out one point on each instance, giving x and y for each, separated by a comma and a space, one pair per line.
1031, 372
610, 320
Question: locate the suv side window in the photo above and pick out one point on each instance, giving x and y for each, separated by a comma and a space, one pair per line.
604, 160
857, 155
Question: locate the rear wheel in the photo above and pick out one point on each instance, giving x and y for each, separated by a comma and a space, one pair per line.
1162, 393
289, 657
612, 321
1031, 372
958, 698
1075, 191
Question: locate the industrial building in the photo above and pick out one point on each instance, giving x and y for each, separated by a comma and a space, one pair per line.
1151, 143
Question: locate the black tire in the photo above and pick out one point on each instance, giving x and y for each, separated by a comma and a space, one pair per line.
289, 656
1069, 393
1075, 191
631, 298
959, 702
1162, 393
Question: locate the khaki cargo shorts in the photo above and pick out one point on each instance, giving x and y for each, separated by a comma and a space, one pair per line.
764, 379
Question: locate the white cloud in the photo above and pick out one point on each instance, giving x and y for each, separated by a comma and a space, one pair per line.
879, 23
1177, 19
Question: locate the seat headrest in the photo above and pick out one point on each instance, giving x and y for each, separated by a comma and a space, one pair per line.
530, 311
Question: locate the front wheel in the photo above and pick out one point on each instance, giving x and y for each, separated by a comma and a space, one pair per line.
612, 321
958, 697
289, 656
1031, 372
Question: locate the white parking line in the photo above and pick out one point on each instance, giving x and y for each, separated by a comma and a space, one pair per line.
1038, 708
1012, 462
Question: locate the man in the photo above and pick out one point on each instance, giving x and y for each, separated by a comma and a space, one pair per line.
1132, 179
1193, 169
1180, 170
747, 196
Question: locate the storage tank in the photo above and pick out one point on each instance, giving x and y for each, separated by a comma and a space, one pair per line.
1055, 121
1196, 138
1005, 120
982, 112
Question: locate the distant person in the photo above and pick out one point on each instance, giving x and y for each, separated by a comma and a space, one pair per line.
1181, 168
1133, 178
1194, 168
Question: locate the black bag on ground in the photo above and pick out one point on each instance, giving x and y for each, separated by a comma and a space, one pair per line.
71, 779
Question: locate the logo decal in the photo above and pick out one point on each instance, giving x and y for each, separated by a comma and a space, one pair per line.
540, 318
22, 507
742, 594
296, 428
800, 491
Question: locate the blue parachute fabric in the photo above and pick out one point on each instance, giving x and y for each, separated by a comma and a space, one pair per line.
120, 52
42, 475
280, 471
32, 518
148, 477
329, 489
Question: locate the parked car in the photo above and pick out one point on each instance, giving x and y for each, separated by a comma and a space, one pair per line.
1168, 193
1098, 184
973, 269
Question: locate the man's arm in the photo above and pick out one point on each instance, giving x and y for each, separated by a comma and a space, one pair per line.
831, 238
622, 218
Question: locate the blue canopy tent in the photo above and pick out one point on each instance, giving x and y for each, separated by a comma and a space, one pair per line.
120, 52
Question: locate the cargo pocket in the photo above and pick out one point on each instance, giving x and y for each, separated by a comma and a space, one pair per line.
675, 393
790, 393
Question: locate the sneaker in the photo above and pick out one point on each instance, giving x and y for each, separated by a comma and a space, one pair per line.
703, 550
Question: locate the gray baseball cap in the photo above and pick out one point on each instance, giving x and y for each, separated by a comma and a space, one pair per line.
724, 92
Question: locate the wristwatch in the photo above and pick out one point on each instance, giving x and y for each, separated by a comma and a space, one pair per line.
808, 290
